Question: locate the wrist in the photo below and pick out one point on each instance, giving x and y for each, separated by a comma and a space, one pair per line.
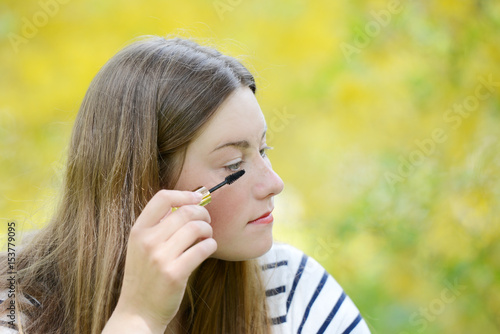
127, 321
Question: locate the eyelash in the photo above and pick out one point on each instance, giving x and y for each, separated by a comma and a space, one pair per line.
236, 166
264, 150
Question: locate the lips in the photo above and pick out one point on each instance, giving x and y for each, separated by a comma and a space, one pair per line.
266, 218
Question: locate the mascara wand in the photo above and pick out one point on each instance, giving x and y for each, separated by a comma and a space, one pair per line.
207, 198
228, 180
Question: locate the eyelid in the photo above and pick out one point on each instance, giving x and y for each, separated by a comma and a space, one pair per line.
240, 161
237, 163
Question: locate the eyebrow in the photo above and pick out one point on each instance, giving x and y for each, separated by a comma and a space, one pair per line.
241, 144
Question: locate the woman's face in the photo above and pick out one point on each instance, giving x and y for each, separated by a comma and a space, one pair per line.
235, 139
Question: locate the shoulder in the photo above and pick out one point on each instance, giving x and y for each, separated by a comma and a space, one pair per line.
303, 297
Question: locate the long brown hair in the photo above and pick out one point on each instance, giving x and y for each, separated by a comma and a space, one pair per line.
139, 115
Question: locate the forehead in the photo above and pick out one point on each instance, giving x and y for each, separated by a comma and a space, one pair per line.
238, 118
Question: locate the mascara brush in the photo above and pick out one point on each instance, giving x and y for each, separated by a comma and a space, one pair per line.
228, 180
207, 198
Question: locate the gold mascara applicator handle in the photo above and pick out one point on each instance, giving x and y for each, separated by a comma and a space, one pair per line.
207, 198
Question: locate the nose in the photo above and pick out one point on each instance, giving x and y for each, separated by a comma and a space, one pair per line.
268, 181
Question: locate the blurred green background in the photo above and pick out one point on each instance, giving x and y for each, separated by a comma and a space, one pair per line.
384, 116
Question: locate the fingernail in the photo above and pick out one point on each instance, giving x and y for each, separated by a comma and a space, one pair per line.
198, 196
205, 196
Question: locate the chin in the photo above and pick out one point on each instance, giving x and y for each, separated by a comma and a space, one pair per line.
249, 253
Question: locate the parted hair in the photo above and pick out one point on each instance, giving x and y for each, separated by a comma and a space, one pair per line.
140, 113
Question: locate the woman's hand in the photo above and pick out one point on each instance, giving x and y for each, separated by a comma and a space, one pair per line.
163, 249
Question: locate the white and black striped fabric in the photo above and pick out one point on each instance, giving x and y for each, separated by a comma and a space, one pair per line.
304, 298
7, 325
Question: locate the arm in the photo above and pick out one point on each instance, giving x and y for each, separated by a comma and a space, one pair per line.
121, 322
163, 249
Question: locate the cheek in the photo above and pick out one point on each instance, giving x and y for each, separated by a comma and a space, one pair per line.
228, 212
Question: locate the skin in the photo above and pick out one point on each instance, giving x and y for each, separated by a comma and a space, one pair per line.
165, 247
208, 161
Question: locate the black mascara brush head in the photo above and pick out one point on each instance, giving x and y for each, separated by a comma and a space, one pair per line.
235, 176
228, 180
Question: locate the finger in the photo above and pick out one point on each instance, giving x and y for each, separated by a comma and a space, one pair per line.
161, 204
186, 237
188, 261
176, 220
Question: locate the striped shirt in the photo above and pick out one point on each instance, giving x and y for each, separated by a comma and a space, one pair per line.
9, 320
303, 298
301, 295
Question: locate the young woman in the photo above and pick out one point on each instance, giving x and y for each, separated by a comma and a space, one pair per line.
162, 118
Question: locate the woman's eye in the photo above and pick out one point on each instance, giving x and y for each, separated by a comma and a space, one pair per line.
234, 167
264, 150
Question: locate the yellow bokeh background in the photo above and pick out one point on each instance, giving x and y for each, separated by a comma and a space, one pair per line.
384, 116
